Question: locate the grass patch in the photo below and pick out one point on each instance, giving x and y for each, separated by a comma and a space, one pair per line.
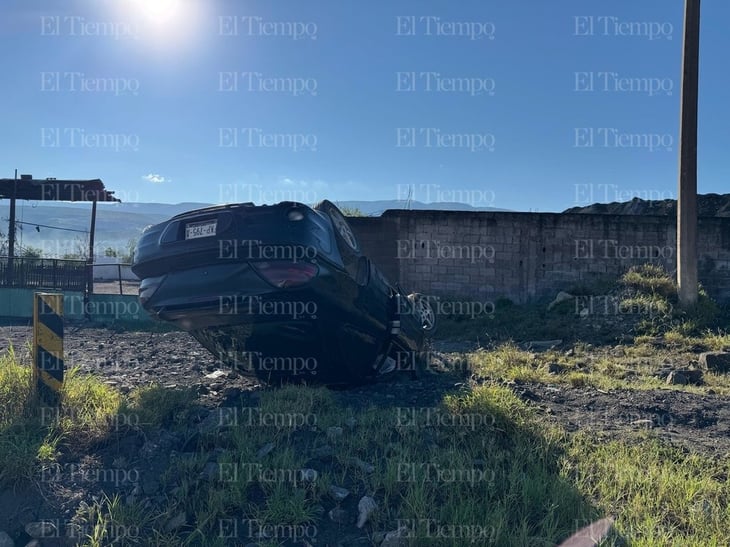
31, 433
661, 495
641, 302
650, 279
434, 470
156, 406
109, 521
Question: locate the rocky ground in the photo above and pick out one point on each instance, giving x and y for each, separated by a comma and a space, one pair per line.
128, 359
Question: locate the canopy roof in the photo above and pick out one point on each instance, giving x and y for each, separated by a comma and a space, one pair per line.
29, 188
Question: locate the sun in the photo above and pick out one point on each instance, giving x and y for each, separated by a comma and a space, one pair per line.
162, 25
158, 11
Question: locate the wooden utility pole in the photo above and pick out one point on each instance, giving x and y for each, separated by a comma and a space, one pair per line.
687, 196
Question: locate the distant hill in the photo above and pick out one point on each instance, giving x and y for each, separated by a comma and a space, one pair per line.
117, 223
708, 205
376, 208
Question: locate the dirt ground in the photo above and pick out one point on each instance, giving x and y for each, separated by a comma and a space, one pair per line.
694, 421
112, 287
127, 359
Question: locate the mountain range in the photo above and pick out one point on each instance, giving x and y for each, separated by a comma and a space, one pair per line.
61, 228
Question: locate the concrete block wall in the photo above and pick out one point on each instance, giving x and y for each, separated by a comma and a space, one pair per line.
527, 256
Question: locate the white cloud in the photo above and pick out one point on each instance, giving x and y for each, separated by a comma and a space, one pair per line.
155, 178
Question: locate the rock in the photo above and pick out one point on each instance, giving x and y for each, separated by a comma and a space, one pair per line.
365, 508
396, 538
716, 361
232, 392
264, 450
338, 493
677, 378
555, 368
6, 540
33, 543
363, 466
694, 376
216, 374
176, 522
339, 515
684, 377
41, 529
561, 297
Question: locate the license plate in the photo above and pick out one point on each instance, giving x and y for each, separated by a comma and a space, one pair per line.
200, 229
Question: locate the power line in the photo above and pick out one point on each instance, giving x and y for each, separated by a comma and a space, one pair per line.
51, 227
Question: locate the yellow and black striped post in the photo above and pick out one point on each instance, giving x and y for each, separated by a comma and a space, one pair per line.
48, 345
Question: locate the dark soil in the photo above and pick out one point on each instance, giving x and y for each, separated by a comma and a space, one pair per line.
698, 422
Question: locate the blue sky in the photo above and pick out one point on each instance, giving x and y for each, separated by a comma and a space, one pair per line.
524, 105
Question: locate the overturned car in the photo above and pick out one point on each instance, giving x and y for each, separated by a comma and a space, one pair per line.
281, 292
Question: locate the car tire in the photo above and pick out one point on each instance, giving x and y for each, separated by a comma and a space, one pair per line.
343, 231
421, 308
347, 242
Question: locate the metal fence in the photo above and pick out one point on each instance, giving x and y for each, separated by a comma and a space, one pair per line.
114, 278
43, 273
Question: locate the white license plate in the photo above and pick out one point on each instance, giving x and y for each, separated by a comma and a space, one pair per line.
200, 229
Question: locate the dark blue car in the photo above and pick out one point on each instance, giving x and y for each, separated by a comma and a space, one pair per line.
282, 292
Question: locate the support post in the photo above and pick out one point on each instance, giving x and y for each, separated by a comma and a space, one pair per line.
48, 346
687, 277
11, 233
90, 262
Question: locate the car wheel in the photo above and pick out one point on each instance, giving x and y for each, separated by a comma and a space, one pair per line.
343, 232
422, 309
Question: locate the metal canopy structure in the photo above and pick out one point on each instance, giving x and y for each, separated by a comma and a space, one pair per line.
54, 190
51, 189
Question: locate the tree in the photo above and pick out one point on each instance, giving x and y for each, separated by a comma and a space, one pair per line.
32, 252
352, 212
128, 255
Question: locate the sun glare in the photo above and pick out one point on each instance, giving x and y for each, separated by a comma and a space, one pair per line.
163, 25
159, 11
